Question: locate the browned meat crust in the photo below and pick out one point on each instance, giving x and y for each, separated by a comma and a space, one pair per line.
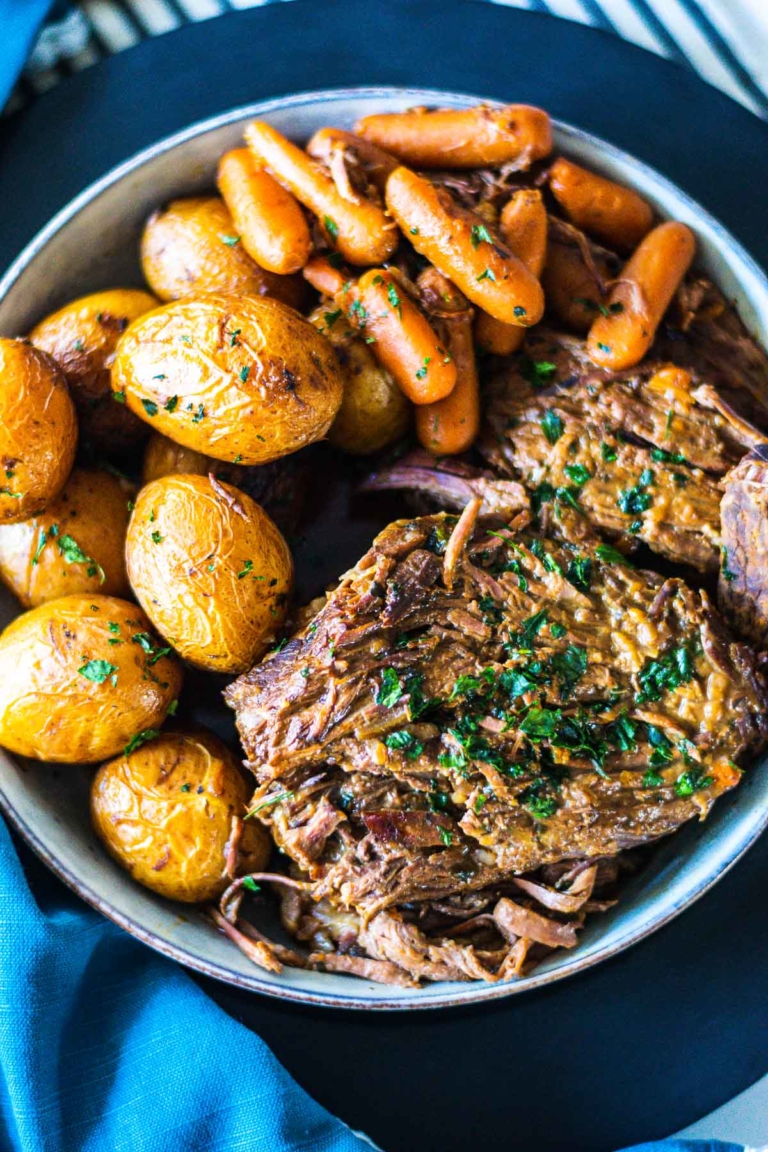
423, 742
743, 584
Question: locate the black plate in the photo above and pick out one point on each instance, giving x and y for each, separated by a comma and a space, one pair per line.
652, 1040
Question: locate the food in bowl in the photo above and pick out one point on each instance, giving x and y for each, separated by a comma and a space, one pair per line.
464, 747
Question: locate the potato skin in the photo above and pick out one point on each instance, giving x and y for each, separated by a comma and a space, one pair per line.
167, 812
183, 254
240, 378
374, 412
50, 711
38, 431
82, 338
164, 457
210, 568
92, 510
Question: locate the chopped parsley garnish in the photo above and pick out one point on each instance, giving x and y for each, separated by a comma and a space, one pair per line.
244, 373
472, 686
72, 553
146, 643
610, 555
552, 426
663, 457
119, 396
519, 311
604, 347
421, 372
487, 275
580, 573
479, 234
97, 670
445, 835
42, 542
692, 780
405, 742
536, 372
230, 241
578, 474
608, 453
637, 499
652, 778
250, 884
331, 227
665, 674
157, 537
172, 404
390, 689
139, 739
199, 415
394, 299
540, 723
247, 567
331, 317
569, 666
149, 407
538, 799
724, 569
557, 630
277, 799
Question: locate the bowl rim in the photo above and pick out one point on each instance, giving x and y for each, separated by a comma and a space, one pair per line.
473, 992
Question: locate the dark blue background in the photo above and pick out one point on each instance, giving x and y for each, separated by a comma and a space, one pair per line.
652, 1040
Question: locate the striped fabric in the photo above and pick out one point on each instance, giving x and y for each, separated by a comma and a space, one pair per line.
725, 41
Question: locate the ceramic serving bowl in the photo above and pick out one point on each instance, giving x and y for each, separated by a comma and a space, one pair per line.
92, 244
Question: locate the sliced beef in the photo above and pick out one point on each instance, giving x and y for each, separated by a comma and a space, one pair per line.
641, 455
743, 585
423, 738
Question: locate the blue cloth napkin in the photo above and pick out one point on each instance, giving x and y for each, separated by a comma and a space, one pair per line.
19, 23
96, 1033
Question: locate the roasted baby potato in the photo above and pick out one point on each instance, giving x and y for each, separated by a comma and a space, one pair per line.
210, 568
163, 457
38, 430
76, 545
81, 678
192, 247
241, 378
171, 813
82, 337
374, 412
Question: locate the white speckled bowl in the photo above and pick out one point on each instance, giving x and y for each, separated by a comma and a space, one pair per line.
93, 243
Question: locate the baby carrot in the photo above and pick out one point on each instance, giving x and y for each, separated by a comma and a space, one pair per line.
450, 426
609, 211
325, 276
462, 138
641, 296
523, 227
400, 336
460, 246
359, 229
570, 288
376, 163
270, 222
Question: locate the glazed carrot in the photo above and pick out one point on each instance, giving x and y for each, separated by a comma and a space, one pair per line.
609, 211
359, 229
450, 426
460, 246
641, 296
523, 227
376, 163
462, 138
270, 222
400, 336
324, 276
570, 288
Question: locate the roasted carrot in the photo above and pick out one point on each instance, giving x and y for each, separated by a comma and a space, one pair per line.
460, 246
606, 210
325, 276
270, 222
375, 162
572, 291
462, 138
523, 227
400, 336
450, 426
641, 296
358, 228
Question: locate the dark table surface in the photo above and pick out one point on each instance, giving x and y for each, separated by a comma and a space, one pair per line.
668, 1031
